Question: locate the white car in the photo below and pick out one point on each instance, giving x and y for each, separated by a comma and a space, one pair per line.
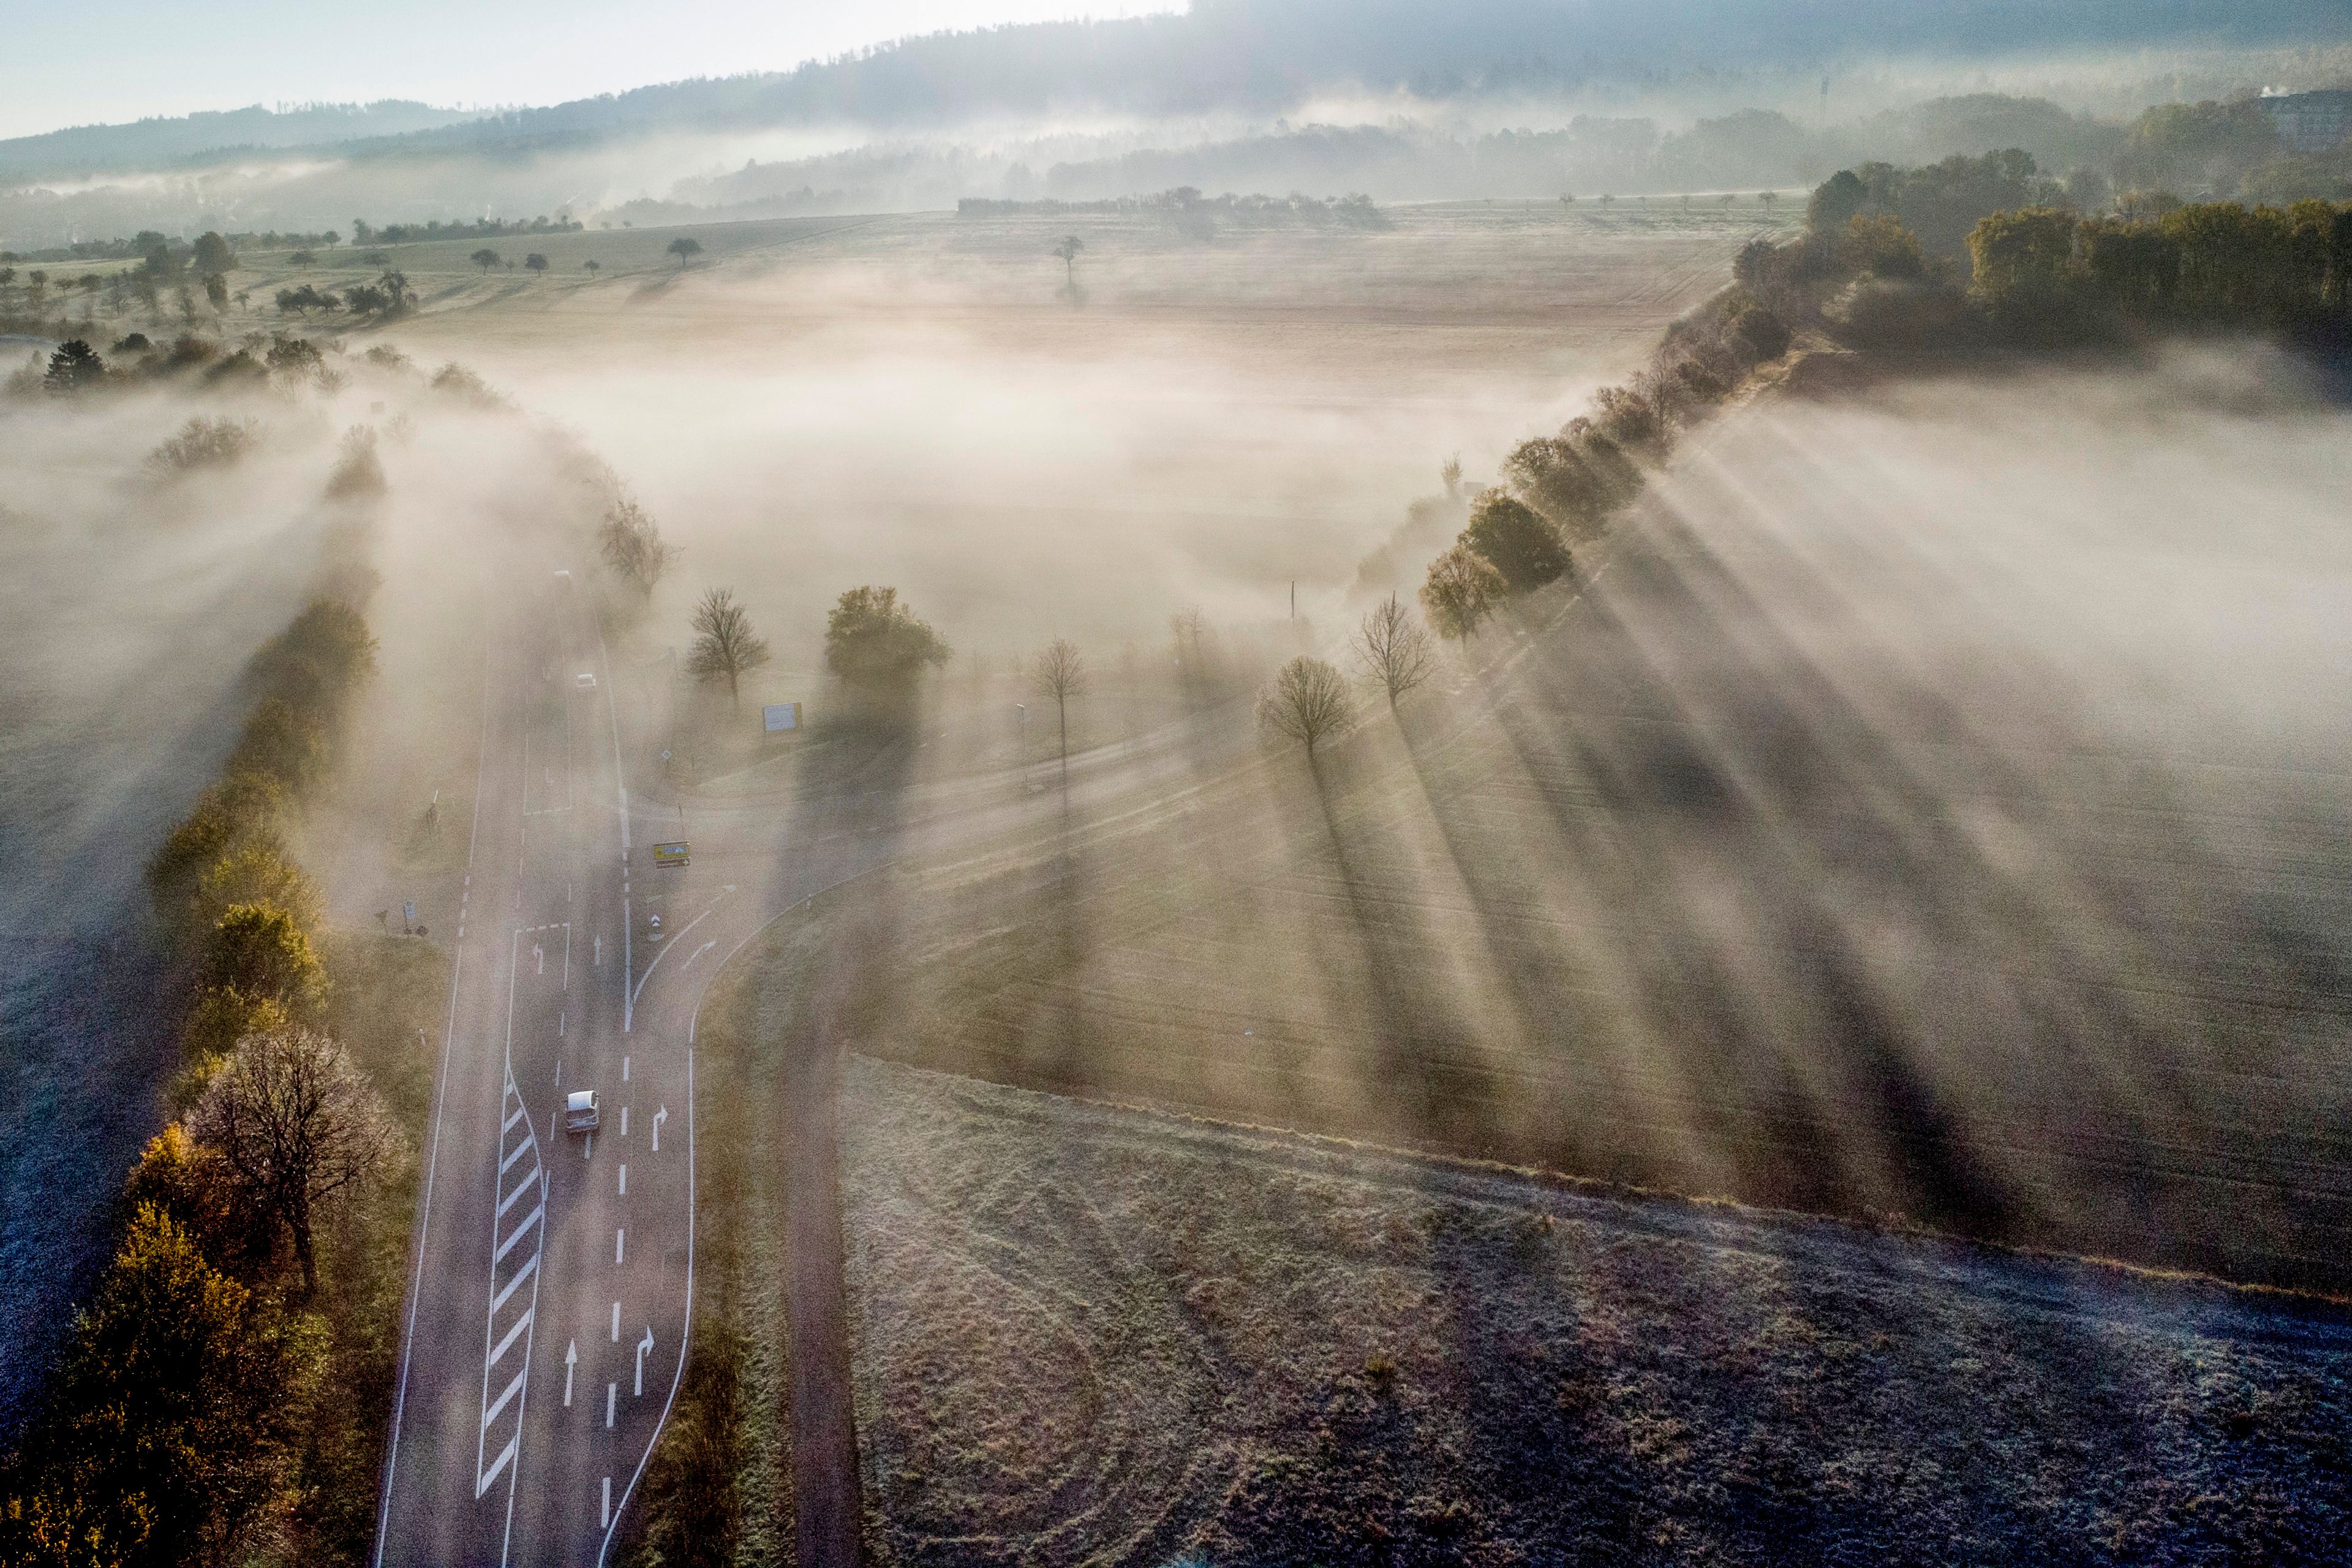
586, 682
581, 1113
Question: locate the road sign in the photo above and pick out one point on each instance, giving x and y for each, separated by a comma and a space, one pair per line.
670, 854
782, 716
408, 910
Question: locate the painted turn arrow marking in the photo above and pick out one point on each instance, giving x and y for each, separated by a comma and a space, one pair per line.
643, 1346
660, 1115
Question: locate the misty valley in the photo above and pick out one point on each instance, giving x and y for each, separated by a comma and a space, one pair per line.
1259, 784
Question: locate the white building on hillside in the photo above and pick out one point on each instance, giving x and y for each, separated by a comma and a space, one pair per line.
2310, 121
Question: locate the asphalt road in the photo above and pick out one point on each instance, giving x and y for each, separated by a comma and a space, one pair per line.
548, 1311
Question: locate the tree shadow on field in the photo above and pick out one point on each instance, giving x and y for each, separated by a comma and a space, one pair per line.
856, 786
1899, 939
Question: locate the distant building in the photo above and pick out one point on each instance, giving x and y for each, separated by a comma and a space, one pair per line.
2310, 121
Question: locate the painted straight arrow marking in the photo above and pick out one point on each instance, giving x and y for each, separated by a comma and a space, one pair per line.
643, 1346
571, 1360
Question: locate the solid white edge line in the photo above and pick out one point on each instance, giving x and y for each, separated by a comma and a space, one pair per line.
440, 1111
673, 942
686, 1333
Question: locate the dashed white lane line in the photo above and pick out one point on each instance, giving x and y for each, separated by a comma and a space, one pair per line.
620, 1246
624, 1181
612, 1400
616, 1323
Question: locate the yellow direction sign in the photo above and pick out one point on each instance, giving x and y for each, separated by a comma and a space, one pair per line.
670, 854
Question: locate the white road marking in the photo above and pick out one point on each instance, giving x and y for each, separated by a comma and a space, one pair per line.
571, 1360
612, 1399
616, 1323
624, 1181
644, 1345
600, 953
625, 1126
620, 1246
660, 1115
625, 1069
699, 952
606, 1522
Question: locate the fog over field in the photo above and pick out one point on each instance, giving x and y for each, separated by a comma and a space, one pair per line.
1296, 781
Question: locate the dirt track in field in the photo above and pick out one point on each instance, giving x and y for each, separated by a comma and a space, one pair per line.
1087, 1335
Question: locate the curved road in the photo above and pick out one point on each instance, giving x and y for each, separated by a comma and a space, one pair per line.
548, 1302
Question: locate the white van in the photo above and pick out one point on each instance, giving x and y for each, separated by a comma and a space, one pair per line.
580, 1113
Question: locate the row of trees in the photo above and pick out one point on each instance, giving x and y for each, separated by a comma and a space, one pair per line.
1562, 489
2041, 269
176, 1421
387, 297
2219, 264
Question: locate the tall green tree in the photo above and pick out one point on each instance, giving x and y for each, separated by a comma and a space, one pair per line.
74, 368
877, 646
1524, 549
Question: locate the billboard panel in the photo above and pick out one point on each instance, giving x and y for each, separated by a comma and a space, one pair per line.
782, 716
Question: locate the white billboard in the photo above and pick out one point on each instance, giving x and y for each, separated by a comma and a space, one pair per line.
782, 716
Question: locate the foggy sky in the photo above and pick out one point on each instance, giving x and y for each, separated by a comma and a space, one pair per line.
164, 58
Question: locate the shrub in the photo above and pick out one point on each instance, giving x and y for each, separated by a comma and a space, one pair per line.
282, 743
357, 471
257, 950
240, 369
1523, 548
205, 443
1460, 591
1881, 245
1766, 336
256, 871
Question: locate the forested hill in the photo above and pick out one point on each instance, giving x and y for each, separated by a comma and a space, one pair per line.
99, 149
1260, 56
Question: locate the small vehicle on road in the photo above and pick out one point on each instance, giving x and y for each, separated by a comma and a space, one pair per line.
587, 682
580, 1112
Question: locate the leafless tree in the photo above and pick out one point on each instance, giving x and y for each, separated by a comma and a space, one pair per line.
724, 644
1067, 247
1450, 471
1060, 672
633, 547
1307, 700
300, 1130
1393, 649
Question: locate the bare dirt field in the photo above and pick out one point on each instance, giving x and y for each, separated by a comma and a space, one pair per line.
1089, 1335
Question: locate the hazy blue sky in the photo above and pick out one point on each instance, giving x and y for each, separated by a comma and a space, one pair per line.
104, 60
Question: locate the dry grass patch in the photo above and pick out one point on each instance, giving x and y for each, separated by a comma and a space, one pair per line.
1101, 1336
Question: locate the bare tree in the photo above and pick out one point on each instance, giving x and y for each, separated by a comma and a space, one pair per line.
1450, 471
1068, 248
633, 547
1307, 700
724, 646
1393, 649
299, 1129
1060, 673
